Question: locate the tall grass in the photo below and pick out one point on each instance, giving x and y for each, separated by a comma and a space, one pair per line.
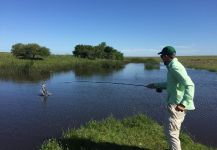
153, 60
52, 63
200, 62
150, 62
11, 66
134, 133
197, 62
35, 70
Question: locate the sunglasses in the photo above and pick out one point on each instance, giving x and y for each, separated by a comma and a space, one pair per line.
162, 55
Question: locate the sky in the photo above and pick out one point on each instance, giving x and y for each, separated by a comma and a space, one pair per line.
133, 27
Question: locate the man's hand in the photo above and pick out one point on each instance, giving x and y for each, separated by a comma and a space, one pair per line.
159, 90
150, 86
180, 107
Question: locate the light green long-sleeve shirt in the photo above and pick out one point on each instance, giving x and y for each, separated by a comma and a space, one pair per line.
179, 86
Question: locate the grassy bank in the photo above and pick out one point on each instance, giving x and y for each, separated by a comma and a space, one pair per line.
197, 62
150, 62
200, 62
37, 70
12, 67
153, 60
133, 133
54, 63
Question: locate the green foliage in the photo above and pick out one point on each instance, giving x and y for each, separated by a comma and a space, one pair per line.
101, 51
84, 51
29, 50
16, 69
134, 133
51, 144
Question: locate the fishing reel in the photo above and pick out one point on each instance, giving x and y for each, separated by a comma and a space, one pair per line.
159, 90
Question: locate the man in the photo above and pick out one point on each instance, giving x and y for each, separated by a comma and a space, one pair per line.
180, 94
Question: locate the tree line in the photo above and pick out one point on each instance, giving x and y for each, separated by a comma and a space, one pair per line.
35, 51
101, 51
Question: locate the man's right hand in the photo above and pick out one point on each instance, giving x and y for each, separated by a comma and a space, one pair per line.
150, 86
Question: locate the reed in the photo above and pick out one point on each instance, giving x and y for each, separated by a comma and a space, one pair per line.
153, 60
11, 66
200, 62
196, 62
36, 70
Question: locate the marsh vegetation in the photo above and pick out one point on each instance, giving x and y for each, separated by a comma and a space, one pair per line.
12, 67
134, 133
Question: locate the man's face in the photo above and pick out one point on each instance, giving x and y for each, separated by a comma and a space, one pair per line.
165, 57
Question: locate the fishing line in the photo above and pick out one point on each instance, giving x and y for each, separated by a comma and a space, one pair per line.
106, 82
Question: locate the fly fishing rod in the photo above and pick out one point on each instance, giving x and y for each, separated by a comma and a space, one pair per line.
116, 83
107, 82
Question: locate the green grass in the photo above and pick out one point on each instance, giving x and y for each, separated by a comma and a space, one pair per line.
197, 62
12, 67
37, 70
200, 62
153, 60
52, 63
150, 62
134, 133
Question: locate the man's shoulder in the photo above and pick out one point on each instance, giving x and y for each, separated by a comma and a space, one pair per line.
177, 65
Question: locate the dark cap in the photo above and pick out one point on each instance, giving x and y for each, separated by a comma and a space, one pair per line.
168, 50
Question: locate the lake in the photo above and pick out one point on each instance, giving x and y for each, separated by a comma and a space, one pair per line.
27, 119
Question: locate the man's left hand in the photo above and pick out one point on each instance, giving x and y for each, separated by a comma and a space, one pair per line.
150, 86
180, 107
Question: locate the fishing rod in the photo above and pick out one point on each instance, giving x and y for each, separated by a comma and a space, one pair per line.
100, 82
45, 93
117, 83
107, 82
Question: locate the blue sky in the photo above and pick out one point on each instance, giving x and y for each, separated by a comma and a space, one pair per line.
134, 27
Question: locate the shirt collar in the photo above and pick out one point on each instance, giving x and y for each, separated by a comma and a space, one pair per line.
174, 60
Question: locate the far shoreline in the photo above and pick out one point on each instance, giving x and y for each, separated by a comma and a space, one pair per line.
195, 62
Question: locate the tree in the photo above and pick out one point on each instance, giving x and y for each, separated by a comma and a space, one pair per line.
30, 50
100, 51
18, 50
84, 51
44, 51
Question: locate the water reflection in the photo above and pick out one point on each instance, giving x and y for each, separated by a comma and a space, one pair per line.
44, 99
25, 77
85, 71
88, 71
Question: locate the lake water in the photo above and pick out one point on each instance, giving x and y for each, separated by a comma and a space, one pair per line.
27, 119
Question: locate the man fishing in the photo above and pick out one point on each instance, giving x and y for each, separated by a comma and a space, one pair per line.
180, 94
